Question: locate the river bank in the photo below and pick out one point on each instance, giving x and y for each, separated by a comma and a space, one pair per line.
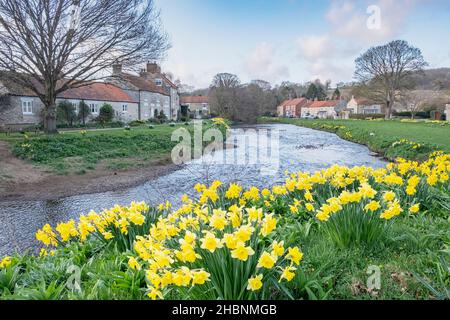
37, 167
26, 182
299, 149
412, 140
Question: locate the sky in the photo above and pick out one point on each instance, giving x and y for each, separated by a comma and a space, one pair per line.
295, 40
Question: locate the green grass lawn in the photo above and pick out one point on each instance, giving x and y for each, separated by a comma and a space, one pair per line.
380, 135
111, 149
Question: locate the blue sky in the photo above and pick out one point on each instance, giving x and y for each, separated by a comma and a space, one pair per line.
295, 40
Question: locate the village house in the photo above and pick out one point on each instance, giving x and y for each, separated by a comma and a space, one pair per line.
447, 111
21, 107
292, 108
363, 106
323, 109
197, 106
281, 110
153, 90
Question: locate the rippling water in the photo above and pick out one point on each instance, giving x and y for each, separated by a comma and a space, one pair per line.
300, 149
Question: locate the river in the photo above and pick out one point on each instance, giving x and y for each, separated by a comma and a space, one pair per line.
300, 149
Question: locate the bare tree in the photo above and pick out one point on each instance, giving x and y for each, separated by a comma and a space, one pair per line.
50, 46
223, 95
417, 100
387, 69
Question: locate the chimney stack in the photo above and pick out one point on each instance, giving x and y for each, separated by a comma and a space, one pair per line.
153, 67
117, 69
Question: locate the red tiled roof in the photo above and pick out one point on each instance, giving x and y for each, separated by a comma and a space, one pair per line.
169, 82
361, 100
91, 91
298, 102
322, 104
143, 84
195, 99
97, 91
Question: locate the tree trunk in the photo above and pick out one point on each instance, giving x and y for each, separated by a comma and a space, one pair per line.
388, 110
50, 119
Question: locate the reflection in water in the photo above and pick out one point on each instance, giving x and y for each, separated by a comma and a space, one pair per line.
301, 149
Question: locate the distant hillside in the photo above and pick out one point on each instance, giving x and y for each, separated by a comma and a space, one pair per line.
433, 79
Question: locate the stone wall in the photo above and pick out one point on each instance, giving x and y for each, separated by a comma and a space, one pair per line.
125, 116
11, 111
154, 102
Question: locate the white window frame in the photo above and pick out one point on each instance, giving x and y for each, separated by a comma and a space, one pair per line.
27, 106
94, 108
159, 82
76, 105
125, 108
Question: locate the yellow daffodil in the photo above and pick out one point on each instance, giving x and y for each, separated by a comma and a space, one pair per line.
267, 261
288, 273
210, 242
415, 208
255, 283
241, 252
294, 255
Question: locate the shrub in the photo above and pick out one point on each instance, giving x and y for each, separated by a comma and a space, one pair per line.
162, 117
106, 114
367, 116
136, 123
408, 114
83, 112
66, 113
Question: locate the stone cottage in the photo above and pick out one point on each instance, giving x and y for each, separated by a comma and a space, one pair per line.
152, 89
198, 106
363, 106
323, 109
21, 107
292, 108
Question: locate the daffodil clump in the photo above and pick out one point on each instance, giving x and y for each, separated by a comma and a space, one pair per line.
354, 202
220, 122
5, 262
220, 247
118, 224
232, 242
412, 144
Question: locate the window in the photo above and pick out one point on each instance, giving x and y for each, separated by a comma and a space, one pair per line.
94, 108
205, 106
75, 106
125, 108
158, 82
27, 106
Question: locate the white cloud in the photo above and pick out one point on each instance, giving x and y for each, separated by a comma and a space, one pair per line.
350, 22
331, 55
315, 47
260, 63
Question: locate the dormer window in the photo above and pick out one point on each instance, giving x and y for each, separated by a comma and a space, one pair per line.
158, 82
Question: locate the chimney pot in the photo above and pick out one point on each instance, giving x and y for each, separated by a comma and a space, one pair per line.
153, 67
117, 69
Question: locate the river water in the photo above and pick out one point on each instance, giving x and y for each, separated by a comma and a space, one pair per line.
292, 148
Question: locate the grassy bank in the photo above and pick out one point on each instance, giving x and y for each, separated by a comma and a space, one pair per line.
410, 140
317, 236
111, 149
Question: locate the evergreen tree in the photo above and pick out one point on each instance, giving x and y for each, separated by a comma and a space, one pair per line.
336, 94
321, 95
106, 114
66, 112
83, 112
311, 94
